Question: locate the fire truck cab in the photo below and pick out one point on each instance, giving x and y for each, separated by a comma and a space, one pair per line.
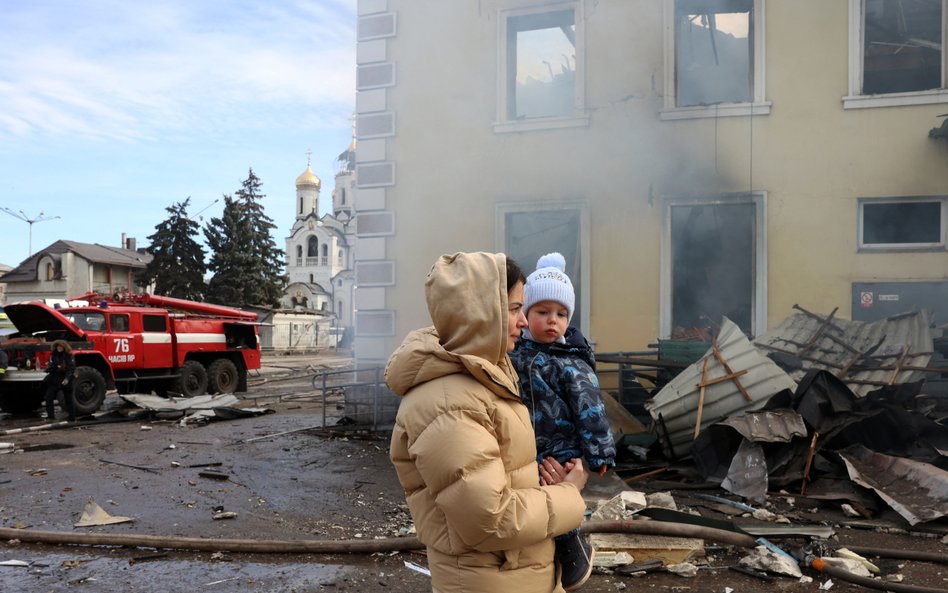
133, 344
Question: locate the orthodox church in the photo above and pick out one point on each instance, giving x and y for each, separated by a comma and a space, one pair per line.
319, 250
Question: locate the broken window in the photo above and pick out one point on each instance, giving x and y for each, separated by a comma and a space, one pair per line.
542, 63
530, 232
714, 52
911, 223
713, 265
902, 45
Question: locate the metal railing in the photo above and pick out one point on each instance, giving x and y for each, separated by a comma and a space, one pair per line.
365, 397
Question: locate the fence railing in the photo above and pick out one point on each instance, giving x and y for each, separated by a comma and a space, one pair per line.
365, 397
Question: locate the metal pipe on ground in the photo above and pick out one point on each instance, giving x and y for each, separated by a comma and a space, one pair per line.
411, 543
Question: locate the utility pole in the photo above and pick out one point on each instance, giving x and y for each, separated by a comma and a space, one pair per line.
41, 217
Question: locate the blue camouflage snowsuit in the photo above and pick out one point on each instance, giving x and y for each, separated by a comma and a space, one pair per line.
559, 386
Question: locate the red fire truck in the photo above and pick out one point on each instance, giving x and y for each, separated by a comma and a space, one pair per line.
133, 343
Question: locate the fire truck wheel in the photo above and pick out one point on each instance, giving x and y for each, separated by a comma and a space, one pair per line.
193, 379
222, 376
89, 391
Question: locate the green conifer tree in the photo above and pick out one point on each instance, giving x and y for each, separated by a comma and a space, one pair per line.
269, 278
228, 239
177, 268
247, 266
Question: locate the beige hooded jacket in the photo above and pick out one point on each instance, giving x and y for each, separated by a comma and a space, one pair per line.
463, 445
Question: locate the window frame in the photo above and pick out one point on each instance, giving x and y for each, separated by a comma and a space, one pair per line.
856, 100
862, 247
579, 117
759, 105
759, 199
583, 282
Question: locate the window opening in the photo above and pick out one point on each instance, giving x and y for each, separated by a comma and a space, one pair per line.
154, 323
530, 235
541, 65
902, 46
905, 223
713, 266
714, 51
119, 323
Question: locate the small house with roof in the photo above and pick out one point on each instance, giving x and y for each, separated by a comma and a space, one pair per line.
67, 269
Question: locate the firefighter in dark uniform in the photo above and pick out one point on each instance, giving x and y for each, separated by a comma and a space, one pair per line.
61, 374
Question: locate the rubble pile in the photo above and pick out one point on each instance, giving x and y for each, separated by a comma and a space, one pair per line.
818, 411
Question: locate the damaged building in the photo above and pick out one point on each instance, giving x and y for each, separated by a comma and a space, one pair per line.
690, 158
766, 178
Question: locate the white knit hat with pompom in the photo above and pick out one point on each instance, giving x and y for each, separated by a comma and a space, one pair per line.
549, 283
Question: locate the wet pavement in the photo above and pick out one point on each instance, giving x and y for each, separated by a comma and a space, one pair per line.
286, 479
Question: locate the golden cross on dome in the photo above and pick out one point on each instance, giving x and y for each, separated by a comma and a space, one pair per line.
309, 153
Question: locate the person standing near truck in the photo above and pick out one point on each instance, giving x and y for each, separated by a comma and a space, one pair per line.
61, 374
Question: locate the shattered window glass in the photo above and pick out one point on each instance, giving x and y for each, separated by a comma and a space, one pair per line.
541, 58
714, 51
901, 223
902, 46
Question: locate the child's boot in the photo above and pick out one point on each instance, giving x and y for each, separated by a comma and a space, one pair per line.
575, 558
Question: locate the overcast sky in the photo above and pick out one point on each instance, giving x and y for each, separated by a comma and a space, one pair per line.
112, 110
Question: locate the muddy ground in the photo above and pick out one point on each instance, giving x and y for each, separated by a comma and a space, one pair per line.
288, 478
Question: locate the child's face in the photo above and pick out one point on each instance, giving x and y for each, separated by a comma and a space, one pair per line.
547, 321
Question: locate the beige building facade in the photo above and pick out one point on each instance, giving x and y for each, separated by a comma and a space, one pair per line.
690, 158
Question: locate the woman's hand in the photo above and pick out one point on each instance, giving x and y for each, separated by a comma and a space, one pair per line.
552, 472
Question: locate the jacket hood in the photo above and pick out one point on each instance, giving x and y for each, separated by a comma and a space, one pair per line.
467, 300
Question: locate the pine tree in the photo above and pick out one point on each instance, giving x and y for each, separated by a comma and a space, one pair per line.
270, 279
228, 239
247, 266
177, 268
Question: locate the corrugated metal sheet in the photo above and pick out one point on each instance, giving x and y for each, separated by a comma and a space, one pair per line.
778, 426
836, 345
677, 402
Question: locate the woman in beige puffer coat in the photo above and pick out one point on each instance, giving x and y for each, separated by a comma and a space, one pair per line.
463, 445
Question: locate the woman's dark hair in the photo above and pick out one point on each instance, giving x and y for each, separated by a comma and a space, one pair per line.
514, 274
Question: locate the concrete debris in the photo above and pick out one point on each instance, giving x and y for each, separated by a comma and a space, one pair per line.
661, 500
219, 515
894, 578
611, 559
849, 565
848, 510
622, 506
827, 585
683, 569
764, 559
646, 548
847, 553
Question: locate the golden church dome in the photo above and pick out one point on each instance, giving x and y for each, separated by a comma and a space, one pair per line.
308, 178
